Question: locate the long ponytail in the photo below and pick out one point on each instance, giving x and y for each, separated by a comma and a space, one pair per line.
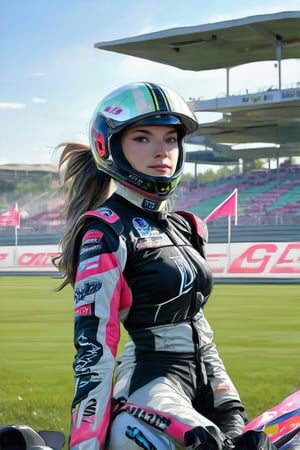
85, 188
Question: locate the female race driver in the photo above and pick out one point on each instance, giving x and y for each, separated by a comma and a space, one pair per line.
131, 260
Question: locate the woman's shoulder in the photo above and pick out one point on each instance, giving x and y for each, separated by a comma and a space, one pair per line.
107, 215
197, 225
115, 212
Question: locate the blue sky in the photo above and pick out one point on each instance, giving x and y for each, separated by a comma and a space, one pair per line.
52, 77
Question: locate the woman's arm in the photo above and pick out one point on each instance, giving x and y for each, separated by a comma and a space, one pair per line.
100, 292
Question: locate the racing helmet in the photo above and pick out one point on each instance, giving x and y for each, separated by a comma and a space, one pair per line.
20, 437
23, 437
133, 104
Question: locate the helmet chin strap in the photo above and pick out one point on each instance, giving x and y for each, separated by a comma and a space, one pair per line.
142, 201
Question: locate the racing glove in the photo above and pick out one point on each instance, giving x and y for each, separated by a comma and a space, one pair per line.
253, 440
230, 418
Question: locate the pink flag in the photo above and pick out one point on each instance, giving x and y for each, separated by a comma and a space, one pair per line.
10, 218
227, 208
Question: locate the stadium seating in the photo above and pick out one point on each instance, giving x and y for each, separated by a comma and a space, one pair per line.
268, 197
265, 197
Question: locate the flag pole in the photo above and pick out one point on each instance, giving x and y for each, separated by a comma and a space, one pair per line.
17, 225
229, 242
16, 236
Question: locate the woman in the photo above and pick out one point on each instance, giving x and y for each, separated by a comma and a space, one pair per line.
131, 260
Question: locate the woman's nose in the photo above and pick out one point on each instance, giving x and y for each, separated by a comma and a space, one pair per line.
161, 148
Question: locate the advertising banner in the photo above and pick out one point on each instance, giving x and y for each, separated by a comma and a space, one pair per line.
245, 260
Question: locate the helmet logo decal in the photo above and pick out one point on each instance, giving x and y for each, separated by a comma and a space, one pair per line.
100, 145
142, 227
114, 110
135, 179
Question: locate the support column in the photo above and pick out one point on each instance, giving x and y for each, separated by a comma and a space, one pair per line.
278, 55
227, 81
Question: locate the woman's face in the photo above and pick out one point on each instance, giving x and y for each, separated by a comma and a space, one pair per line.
151, 149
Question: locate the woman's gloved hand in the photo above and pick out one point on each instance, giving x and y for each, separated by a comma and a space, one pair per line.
230, 418
253, 440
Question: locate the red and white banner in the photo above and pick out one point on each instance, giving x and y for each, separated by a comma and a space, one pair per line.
255, 260
227, 208
247, 260
10, 218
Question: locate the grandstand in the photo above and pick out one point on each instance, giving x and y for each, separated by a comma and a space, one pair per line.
268, 207
270, 116
38, 196
265, 197
26, 172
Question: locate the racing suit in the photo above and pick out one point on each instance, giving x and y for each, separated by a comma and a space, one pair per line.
148, 272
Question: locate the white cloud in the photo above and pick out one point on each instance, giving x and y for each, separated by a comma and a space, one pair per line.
38, 74
39, 100
12, 106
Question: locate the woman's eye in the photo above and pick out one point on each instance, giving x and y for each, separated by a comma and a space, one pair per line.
141, 139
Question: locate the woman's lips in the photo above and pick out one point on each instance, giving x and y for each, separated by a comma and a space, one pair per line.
161, 168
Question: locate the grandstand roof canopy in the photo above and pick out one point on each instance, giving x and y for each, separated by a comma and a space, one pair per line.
273, 117
224, 155
217, 45
10, 172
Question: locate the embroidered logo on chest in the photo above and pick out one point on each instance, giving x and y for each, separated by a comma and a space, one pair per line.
141, 226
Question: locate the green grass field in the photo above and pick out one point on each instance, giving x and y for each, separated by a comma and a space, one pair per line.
257, 330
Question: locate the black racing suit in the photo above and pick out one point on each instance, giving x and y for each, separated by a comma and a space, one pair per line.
146, 270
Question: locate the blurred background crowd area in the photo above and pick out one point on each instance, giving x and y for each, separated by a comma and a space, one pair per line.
266, 197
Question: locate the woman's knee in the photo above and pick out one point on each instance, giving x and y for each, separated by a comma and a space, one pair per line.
128, 433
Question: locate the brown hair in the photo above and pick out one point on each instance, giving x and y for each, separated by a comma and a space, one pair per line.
85, 188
